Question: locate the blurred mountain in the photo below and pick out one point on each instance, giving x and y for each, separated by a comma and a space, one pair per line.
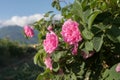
15, 33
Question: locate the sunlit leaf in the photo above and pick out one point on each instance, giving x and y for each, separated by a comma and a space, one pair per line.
97, 43
77, 10
89, 46
92, 18
87, 34
38, 58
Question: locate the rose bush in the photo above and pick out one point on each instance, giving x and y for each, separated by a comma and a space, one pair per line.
83, 45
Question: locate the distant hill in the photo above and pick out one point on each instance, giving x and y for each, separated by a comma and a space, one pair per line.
15, 33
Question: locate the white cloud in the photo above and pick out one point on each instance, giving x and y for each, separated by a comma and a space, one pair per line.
21, 21
57, 17
25, 20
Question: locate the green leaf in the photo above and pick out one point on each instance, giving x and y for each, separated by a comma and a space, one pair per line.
73, 76
97, 43
114, 34
87, 34
38, 58
102, 27
70, 76
93, 4
104, 6
111, 74
89, 46
56, 4
48, 13
52, 16
84, 4
77, 10
81, 45
85, 50
113, 2
45, 76
82, 71
92, 18
55, 66
57, 55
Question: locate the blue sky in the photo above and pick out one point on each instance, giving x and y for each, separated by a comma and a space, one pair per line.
24, 12
9, 8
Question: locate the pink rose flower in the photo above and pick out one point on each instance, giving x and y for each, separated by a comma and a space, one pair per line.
118, 68
85, 55
70, 32
28, 31
74, 51
48, 62
51, 42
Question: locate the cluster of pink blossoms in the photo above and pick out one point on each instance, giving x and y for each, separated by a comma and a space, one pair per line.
28, 31
50, 44
71, 35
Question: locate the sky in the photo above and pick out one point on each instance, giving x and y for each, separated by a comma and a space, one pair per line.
23, 12
9, 8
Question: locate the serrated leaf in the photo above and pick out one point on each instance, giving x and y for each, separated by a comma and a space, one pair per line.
57, 55
89, 46
97, 43
87, 34
92, 18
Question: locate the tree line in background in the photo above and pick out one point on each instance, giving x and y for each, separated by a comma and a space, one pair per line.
16, 61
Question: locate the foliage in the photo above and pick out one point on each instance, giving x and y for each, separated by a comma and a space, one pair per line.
100, 30
21, 71
16, 61
12, 49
